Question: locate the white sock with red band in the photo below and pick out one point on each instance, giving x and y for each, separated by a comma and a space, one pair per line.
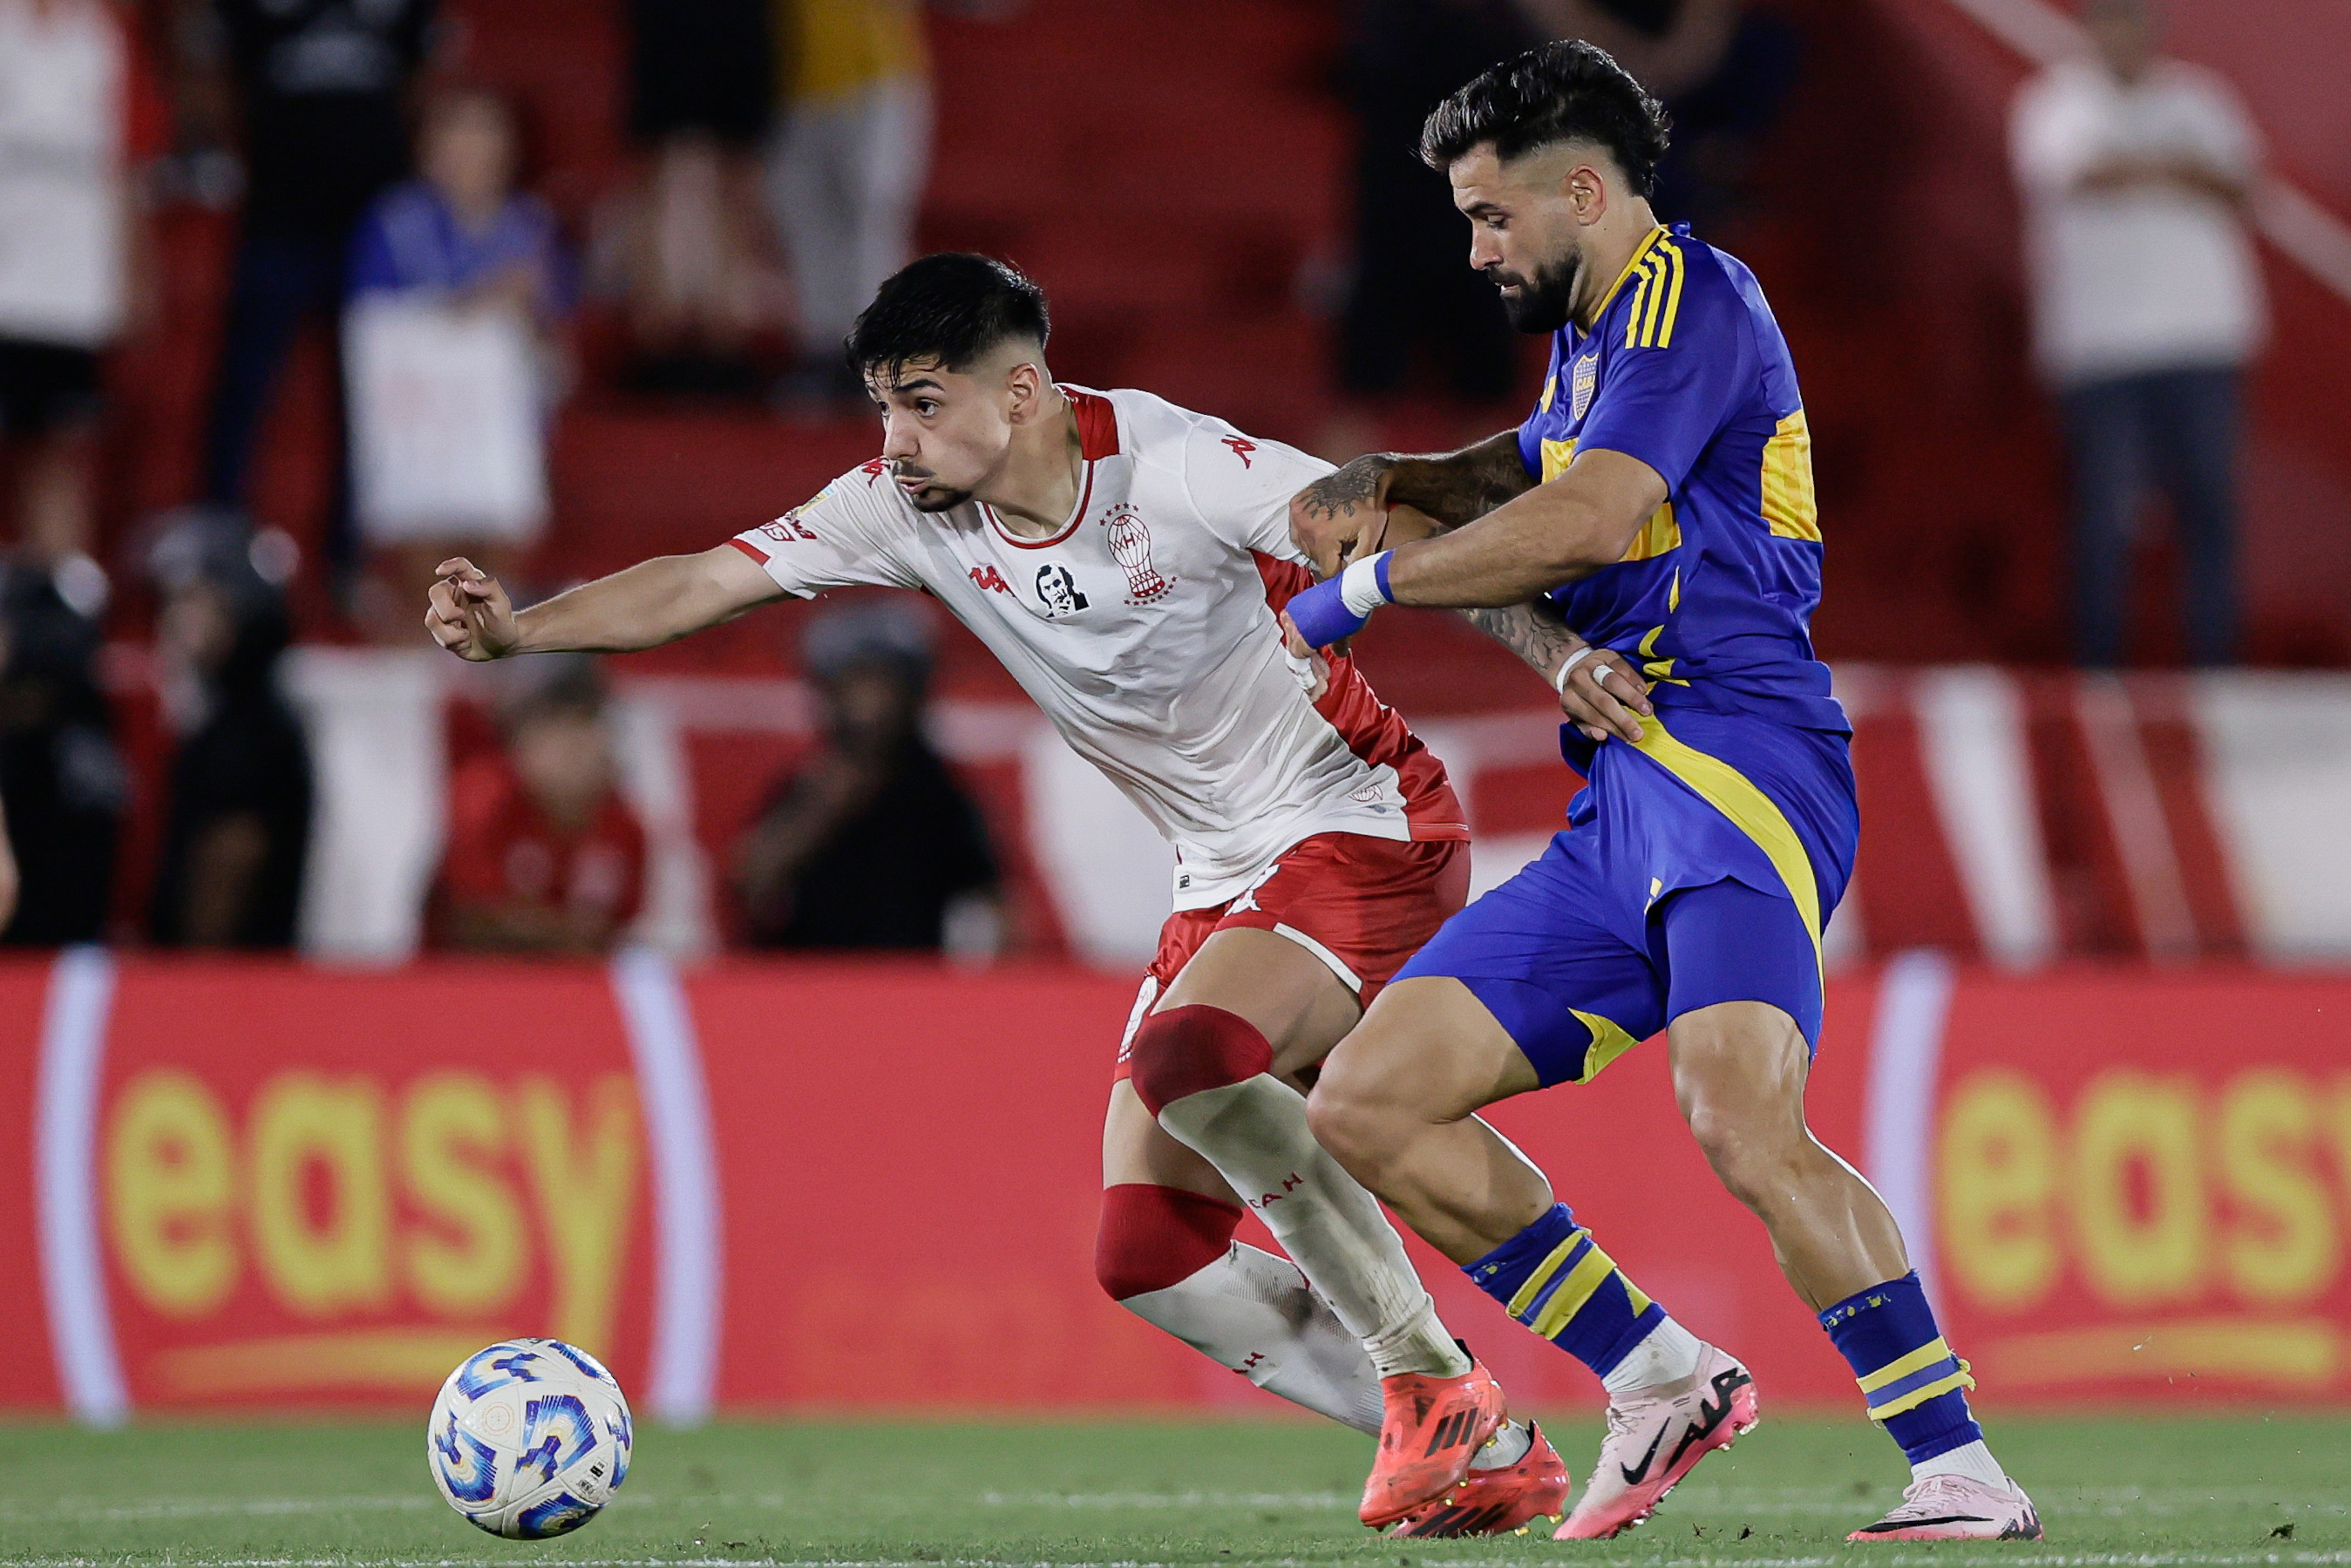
1255, 1133
1204, 1074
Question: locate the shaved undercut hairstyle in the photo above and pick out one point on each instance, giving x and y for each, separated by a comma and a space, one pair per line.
1569, 92
953, 308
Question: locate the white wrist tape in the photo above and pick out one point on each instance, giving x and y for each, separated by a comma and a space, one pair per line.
1559, 681
1359, 585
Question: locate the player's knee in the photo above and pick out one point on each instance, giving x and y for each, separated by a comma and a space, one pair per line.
1154, 1237
1185, 1051
1347, 1115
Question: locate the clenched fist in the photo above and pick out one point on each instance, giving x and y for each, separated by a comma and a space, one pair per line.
469, 612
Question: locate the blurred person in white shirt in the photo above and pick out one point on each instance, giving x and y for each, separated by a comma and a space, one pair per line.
75, 115
2134, 169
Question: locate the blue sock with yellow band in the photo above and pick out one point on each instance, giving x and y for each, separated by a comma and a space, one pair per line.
1912, 1381
1553, 1279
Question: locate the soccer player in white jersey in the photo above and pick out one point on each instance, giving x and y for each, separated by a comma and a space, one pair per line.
1126, 559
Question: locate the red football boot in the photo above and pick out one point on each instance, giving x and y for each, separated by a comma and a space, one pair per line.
1430, 1428
1497, 1501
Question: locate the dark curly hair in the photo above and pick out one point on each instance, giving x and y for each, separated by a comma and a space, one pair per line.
1569, 92
951, 307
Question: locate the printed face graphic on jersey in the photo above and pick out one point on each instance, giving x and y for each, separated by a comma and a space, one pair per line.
1060, 591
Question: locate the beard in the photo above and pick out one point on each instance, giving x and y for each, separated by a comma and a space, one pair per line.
1543, 302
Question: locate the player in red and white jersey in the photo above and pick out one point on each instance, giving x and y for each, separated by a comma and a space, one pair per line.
1138, 624
1126, 559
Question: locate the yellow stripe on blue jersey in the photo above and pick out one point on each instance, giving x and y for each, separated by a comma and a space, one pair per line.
1658, 536
1631, 267
1684, 369
1657, 298
1788, 503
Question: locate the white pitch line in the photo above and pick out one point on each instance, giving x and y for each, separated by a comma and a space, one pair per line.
69, 1508
2007, 1557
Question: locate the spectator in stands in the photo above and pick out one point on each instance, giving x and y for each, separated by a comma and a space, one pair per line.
321, 86
63, 780
682, 245
543, 854
77, 115
237, 824
458, 267
872, 843
2136, 170
845, 169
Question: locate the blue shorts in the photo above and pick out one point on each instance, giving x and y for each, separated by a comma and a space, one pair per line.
1698, 867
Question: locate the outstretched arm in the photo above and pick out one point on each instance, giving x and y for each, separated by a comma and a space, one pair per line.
644, 606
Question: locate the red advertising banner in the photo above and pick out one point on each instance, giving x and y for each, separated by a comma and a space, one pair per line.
298, 1185
2143, 1184
873, 1185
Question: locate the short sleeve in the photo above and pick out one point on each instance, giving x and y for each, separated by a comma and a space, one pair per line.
1531, 430
1241, 486
831, 541
1664, 404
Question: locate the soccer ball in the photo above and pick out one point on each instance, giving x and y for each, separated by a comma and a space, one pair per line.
529, 1438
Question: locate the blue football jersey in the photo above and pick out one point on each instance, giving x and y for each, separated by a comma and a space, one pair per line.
1685, 369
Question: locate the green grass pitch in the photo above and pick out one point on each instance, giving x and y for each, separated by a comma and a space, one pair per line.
2127, 1492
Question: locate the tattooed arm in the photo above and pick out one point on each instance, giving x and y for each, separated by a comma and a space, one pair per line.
1603, 695
1344, 514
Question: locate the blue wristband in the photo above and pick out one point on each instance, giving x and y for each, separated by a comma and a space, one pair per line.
1321, 616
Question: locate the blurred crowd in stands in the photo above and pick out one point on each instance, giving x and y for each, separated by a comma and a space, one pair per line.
782, 153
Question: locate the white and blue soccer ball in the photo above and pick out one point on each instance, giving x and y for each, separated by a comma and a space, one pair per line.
529, 1438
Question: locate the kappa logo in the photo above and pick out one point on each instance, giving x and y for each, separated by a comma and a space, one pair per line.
1130, 546
1058, 591
1586, 377
990, 580
1242, 446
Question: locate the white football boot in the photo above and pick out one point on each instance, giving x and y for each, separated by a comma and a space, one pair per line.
1957, 1508
1656, 1436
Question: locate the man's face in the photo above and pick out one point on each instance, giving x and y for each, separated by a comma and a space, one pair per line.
944, 432
564, 760
870, 706
1524, 235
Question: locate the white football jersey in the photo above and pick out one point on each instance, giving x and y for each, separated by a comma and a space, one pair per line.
1145, 630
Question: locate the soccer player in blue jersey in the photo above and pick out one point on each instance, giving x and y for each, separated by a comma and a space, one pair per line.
1659, 502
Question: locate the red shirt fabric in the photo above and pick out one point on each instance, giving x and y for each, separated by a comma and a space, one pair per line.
504, 851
